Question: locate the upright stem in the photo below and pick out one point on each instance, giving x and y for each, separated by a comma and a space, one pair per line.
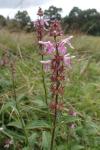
18, 109
54, 125
44, 84
43, 77
56, 103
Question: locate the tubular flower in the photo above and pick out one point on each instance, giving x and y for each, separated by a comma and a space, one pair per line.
62, 49
67, 60
61, 46
68, 41
46, 65
48, 46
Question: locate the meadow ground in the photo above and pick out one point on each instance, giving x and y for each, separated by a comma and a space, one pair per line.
82, 91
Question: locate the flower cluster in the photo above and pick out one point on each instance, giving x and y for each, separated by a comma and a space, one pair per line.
60, 59
61, 46
55, 28
40, 24
63, 56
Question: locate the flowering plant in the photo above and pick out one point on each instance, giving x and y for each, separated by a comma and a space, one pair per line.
60, 59
40, 27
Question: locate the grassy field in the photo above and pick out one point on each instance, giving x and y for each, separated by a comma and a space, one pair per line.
82, 92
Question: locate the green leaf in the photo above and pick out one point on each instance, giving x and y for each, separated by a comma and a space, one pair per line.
40, 103
10, 104
63, 147
16, 124
32, 139
46, 138
22, 97
26, 148
69, 119
39, 124
77, 147
14, 134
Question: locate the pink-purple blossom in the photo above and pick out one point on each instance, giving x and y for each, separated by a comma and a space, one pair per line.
46, 65
62, 48
8, 143
55, 28
68, 41
67, 60
48, 46
72, 113
72, 126
40, 22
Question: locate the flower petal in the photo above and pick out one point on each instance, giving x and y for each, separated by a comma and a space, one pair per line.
67, 59
62, 49
48, 46
68, 42
46, 65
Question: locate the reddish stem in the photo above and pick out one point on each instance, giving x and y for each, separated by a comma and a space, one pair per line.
56, 100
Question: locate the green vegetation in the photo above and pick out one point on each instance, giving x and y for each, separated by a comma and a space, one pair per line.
82, 92
86, 21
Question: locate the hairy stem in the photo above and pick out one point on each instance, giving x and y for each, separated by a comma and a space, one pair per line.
44, 84
43, 77
56, 102
54, 125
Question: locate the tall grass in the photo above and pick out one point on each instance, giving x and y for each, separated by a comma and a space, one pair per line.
82, 92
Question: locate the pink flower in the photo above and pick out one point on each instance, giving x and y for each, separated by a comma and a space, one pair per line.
46, 65
55, 28
8, 142
72, 126
40, 22
48, 46
67, 41
67, 60
61, 48
46, 22
72, 113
